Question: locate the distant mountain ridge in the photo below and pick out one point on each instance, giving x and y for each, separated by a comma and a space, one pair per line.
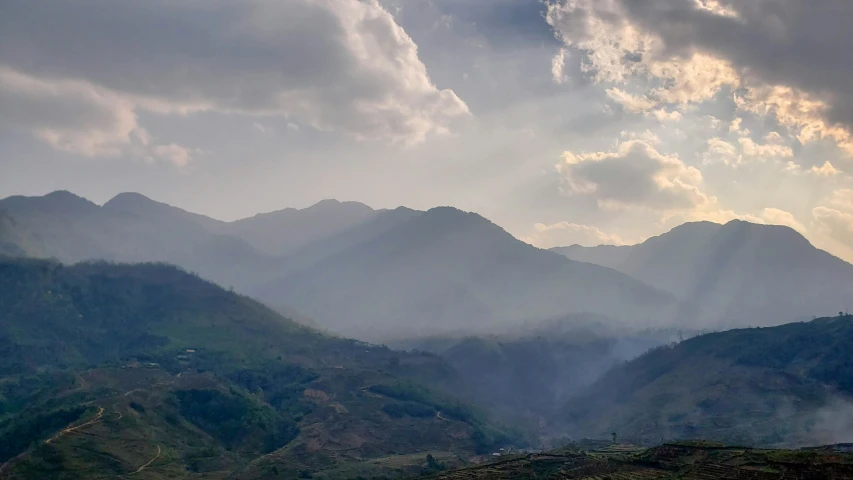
735, 274
448, 270
353, 269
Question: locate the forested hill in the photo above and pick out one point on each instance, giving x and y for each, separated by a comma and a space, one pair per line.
785, 385
103, 366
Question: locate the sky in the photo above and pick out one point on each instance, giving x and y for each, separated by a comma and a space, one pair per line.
564, 121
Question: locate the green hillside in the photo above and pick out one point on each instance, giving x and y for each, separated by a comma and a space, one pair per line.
785, 385
105, 368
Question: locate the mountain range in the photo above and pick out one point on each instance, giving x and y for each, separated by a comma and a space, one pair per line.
382, 274
362, 272
737, 274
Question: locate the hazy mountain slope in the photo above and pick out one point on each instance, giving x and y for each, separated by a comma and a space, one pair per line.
156, 364
790, 384
133, 228
15, 241
285, 231
450, 270
358, 234
734, 274
528, 374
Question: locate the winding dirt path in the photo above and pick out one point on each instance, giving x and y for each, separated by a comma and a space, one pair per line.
71, 429
147, 464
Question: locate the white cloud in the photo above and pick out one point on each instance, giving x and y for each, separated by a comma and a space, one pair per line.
567, 233
338, 65
635, 175
825, 170
631, 103
78, 117
558, 66
757, 150
664, 116
736, 127
784, 58
722, 151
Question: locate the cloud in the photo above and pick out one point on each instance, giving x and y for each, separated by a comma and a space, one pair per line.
825, 170
566, 233
722, 151
664, 116
842, 198
78, 117
635, 175
631, 103
558, 66
336, 65
752, 149
788, 59
835, 223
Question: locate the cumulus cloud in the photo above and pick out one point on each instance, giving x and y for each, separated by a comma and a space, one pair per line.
567, 233
339, 65
752, 149
722, 151
635, 175
789, 59
825, 170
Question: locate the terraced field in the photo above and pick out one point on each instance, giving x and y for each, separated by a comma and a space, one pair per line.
684, 461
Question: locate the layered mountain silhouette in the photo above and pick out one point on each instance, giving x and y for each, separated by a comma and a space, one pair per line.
385, 273
448, 270
736, 274
355, 270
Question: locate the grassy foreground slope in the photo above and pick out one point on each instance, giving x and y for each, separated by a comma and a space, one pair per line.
109, 370
685, 461
779, 386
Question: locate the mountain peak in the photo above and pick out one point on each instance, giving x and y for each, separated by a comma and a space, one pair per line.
61, 201
132, 202
334, 204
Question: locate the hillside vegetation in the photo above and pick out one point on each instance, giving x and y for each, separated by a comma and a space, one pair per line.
683, 460
786, 385
104, 368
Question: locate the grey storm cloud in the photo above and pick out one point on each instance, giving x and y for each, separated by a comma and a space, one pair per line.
333, 64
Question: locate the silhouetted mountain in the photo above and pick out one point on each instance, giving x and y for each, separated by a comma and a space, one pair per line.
739, 273
285, 231
789, 385
134, 228
447, 270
